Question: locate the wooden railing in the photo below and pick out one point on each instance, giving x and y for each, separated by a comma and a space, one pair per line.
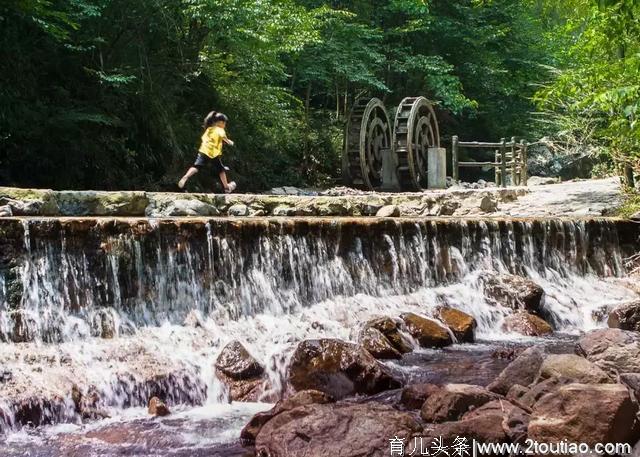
510, 160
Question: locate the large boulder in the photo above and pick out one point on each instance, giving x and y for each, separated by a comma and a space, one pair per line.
305, 397
374, 341
453, 401
614, 350
513, 291
625, 316
529, 396
497, 421
428, 332
240, 372
523, 371
347, 430
391, 328
526, 324
585, 413
461, 324
338, 368
573, 367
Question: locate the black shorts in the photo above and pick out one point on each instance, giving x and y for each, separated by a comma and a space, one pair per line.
206, 162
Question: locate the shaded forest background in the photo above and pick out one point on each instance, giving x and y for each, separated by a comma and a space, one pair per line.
110, 94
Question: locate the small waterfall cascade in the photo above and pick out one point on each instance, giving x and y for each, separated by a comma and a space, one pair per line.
129, 307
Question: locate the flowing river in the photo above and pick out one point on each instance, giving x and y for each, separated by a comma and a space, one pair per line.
125, 309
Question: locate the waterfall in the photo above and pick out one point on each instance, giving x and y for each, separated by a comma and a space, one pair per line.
129, 308
76, 277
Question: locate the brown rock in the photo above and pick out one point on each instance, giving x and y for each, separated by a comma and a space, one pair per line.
589, 413
625, 316
240, 372
516, 392
414, 395
374, 341
573, 367
526, 324
614, 350
305, 397
157, 407
453, 401
338, 368
391, 329
428, 332
461, 324
514, 292
539, 390
25, 326
236, 362
523, 370
497, 421
345, 430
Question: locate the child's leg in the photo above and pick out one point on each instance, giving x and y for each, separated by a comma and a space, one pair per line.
190, 172
223, 180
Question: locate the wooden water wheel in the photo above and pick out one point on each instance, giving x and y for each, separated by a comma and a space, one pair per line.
367, 134
415, 130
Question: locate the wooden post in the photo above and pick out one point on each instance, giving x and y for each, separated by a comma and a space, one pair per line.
523, 167
513, 161
496, 168
455, 173
503, 162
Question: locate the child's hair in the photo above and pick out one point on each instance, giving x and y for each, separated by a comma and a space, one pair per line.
214, 117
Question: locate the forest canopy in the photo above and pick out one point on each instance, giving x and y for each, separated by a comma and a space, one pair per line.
110, 94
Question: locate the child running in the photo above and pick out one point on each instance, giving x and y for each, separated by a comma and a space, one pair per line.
210, 152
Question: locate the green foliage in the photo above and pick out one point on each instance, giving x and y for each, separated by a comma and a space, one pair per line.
111, 93
595, 95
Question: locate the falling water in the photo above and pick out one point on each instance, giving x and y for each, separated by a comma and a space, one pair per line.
132, 308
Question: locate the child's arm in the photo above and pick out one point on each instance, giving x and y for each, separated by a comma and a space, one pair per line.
228, 141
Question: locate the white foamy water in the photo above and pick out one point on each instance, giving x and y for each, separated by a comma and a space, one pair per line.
170, 296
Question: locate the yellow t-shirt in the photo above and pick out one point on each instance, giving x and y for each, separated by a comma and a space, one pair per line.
212, 142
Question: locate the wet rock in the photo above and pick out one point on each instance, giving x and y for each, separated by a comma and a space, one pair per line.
371, 206
536, 391
514, 292
625, 316
488, 204
453, 400
497, 421
523, 370
391, 328
338, 368
240, 372
447, 208
104, 323
374, 341
461, 324
236, 362
302, 398
614, 350
238, 210
414, 395
526, 324
87, 405
157, 407
428, 332
388, 211
347, 430
589, 413
507, 353
573, 367
99, 203
25, 326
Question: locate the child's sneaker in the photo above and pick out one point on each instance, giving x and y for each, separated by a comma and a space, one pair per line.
231, 187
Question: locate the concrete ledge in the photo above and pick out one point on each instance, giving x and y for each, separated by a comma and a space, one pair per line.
46, 202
